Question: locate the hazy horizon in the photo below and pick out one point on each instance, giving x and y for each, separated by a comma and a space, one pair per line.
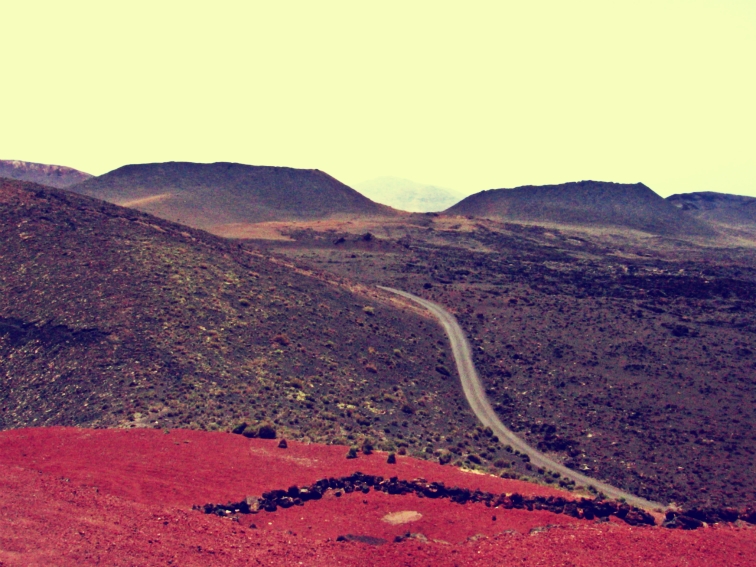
486, 96
361, 184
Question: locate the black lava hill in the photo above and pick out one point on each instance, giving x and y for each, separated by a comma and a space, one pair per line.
588, 204
208, 195
722, 208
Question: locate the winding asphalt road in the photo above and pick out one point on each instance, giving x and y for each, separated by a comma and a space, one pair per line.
476, 397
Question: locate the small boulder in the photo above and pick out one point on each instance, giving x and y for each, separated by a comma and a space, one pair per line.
391, 459
686, 523
282, 444
441, 369
270, 507
239, 429
266, 431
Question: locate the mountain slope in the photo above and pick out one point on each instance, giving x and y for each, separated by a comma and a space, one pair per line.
111, 317
586, 204
209, 195
407, 195
718, 207
51, 175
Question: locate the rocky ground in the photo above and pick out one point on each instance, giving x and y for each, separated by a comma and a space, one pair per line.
112, 318
631, 359
124, 497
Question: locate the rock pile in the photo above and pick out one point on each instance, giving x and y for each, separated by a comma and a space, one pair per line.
697, 517
297, 496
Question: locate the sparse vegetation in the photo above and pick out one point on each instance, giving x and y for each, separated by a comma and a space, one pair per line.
153, 324
628, 359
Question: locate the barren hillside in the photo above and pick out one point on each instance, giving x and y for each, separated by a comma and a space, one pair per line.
630, 359
586, 204
110, 317
212, 195
51, 175
737, 210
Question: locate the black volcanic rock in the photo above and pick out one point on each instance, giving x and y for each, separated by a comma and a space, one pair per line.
209, 195
57, 176
585, 204
717, 207
583, 508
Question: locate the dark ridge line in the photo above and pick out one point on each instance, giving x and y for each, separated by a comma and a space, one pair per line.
584, 508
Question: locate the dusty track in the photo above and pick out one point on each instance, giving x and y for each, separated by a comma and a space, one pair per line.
476, 397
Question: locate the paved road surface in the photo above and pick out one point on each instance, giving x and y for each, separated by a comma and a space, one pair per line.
476, 397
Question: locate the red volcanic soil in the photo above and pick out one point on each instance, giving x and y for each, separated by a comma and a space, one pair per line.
124, 497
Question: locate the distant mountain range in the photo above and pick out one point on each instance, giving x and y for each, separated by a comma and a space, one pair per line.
57, 176
585, 204
217, 195
211, 195
407, 195
721, 208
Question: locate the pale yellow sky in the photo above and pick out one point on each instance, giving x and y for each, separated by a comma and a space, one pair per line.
466, 95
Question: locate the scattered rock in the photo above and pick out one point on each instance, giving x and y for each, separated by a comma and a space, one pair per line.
403, 517
416, 536
239, 429
359, 482
391, 459
370, 540
282, 444
682, 523
541, 529
443, 370
266, 431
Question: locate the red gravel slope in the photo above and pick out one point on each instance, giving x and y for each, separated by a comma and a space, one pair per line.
117, 497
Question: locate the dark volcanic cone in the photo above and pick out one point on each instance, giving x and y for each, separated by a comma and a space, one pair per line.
209, 195
737, 210
585, 204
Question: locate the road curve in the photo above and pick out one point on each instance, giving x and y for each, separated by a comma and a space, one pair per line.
476, 397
